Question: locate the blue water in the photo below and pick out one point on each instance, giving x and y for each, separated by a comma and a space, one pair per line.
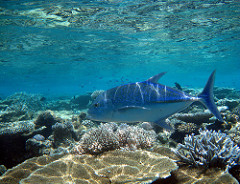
74, 47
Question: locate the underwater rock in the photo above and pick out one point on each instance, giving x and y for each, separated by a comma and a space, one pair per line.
230, 103
209, 149
36, 147
198, 117
112, 167
228, 93
146, 126
187, 175
13, 136
39, 137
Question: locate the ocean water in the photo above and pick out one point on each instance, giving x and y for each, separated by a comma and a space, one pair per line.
58, 48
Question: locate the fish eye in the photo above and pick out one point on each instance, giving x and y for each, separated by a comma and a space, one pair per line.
96, 105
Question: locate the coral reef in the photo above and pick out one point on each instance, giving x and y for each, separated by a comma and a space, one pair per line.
47, 119
3, 169
63, 132
209, 149
109, 136
112, 167
36, 147
234, 133
100, 139
20, 106
228, 93
23, 170
24, 102
187, 127
198, 117
230, 103
16, 128
187, 175
13, 136
131, 137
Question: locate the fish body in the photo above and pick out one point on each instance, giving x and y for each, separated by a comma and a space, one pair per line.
147, 101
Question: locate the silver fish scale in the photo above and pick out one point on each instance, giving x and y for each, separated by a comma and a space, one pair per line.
144, 93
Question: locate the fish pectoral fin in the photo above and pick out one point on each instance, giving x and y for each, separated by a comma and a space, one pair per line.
163, 123
126, 108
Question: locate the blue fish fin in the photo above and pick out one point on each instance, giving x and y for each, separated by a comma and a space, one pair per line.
163, 123
206, 97
155, 78
126, 108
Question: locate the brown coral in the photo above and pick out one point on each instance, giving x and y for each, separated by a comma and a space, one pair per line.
187, 175
111, 167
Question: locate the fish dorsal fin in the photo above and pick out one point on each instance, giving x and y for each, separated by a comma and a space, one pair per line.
155, 78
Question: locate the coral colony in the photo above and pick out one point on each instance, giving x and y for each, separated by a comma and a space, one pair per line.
110, 136
209, 149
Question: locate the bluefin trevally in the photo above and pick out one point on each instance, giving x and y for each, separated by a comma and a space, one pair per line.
148, 101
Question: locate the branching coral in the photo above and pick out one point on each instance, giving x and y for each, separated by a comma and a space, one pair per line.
109, 136
131, 137
209, 149
100, 139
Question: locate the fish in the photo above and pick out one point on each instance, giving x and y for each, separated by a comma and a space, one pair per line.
148, 101
178, 86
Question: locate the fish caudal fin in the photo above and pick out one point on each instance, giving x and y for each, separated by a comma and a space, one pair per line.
206, 97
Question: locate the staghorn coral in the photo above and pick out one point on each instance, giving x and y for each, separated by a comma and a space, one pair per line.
119, 166
209, 149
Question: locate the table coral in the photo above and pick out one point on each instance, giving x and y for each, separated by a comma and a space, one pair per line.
112, 167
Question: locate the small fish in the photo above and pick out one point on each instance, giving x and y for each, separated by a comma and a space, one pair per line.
178, 86
148, 101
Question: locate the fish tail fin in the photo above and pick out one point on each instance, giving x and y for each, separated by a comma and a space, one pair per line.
206, 97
